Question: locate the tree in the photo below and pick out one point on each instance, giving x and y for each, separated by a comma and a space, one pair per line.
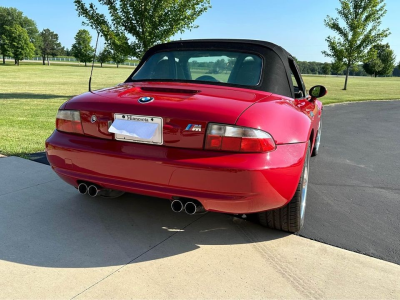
81, 49
16, 42
104, 56
337, 67
217, 67
396, 71
118, 57
313, 67
49, 44
231, 62
10, 16
303, 65
148, 22
381, 60
326, 69
360, 31
387, 58
373, 65
67, 52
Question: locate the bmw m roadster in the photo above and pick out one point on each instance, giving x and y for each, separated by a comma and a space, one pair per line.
211, 125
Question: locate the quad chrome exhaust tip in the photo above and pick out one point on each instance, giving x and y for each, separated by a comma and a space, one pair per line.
189, 206
82, 188
177, 206
192, 208
90, 189
93, 191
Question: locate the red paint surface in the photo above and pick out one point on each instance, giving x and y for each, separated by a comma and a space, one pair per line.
222, 181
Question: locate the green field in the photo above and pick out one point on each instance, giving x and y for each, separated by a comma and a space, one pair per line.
358, 88
31, 94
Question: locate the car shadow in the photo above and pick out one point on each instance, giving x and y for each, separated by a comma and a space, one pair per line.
76, 231
39, 157
29, 96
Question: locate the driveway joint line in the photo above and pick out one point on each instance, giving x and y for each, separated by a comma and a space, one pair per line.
138, 256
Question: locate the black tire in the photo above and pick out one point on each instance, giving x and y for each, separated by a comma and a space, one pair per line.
317, 142
289, 218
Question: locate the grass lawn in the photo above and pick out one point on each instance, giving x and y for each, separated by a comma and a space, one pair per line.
31, 94
358, 88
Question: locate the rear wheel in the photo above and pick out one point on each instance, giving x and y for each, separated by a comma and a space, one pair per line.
289, 218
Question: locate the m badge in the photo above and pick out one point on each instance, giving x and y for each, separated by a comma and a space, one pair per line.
193, 127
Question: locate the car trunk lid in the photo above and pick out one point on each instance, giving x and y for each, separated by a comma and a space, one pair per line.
186, 109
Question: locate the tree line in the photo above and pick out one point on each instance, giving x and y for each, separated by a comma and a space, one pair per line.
20, 39
133, 26
383, 65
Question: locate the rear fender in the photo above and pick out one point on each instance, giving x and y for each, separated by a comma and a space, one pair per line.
285, 122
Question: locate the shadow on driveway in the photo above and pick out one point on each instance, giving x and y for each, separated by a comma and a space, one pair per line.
51, 225
353, 198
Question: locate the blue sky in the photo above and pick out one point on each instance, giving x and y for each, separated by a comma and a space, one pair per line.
296, 25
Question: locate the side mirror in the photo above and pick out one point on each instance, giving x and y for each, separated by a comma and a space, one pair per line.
318, 91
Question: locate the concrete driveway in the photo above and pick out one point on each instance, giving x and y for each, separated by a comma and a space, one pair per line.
353, 198
56, 243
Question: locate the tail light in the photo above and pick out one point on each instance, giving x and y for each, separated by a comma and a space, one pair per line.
69, 121
238, 139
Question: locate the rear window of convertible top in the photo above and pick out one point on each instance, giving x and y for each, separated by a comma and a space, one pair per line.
227, 67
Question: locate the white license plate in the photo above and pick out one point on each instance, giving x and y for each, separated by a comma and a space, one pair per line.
138, 129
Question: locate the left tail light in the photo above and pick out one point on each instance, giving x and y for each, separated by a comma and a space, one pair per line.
69, 121
222, 137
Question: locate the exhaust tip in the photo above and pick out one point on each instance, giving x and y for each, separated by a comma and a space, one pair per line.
177, 206
190, 208
92, 191
82, 188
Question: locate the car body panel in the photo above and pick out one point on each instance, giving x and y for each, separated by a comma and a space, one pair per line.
287, 120
215, 178
177, 107
181, 167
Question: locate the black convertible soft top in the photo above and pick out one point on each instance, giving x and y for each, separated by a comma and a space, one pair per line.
276, 75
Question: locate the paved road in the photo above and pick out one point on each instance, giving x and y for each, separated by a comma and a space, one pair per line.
354, 193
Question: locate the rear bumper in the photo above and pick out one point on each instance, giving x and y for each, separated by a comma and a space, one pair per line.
223, 182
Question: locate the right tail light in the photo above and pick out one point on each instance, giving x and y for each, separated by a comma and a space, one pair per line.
221, 137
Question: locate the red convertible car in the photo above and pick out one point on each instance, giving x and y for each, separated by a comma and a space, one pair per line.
212, 125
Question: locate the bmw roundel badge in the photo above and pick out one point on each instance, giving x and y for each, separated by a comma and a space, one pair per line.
93, 119
145, 99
